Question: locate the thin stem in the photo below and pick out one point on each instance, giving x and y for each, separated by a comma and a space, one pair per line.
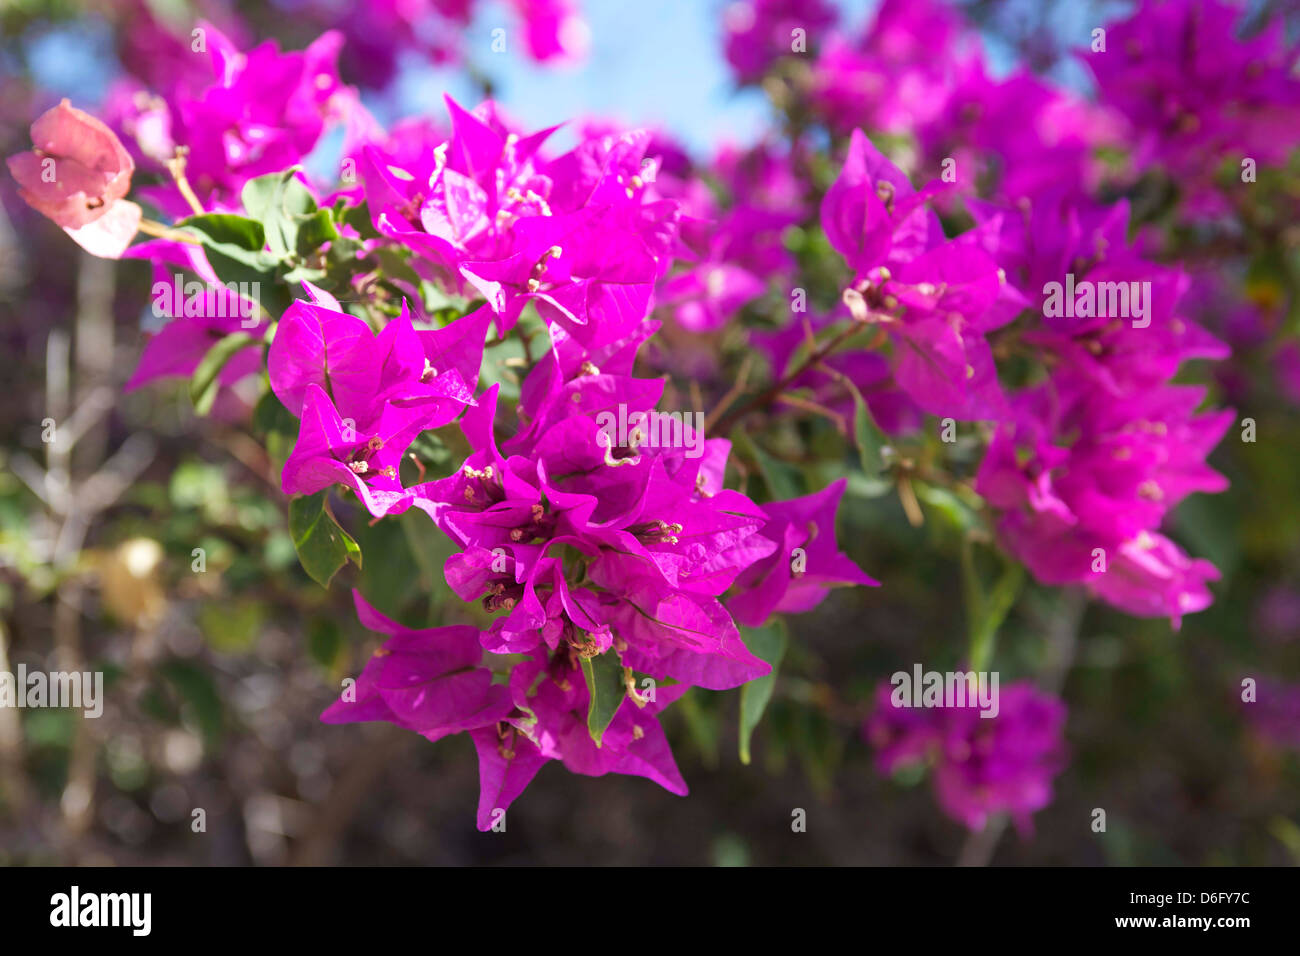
831, 415
767, 397
742, 378
176, 166
911, 507
151, 228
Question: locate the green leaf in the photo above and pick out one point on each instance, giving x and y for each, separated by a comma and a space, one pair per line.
323, 547
867, 436
358, 217
783, 480
343, 256
271, 417
396, 265
1209, 528
430, 553
956, 512
294, 277
203, 383
500, 367
864, 486
390, 578
442, 305
767, 643
226, 230
698, 707
282, 202
604, 674
234, 247
986, 611
314, 231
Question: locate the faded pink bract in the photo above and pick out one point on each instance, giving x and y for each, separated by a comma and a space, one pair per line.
77, 174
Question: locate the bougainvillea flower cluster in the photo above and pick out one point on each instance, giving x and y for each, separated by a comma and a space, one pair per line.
982, 767
611, 548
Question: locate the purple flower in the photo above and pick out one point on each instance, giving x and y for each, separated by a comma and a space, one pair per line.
549, 722
1196, 95
580, 534
759, 32
363, 397
1275, 713
732, 250
982, 765
898, 74
554, 30
202, 313
805, 563
580, 237
263, 112
361, 371
1083, 480
332, 450
431, 681
936, 298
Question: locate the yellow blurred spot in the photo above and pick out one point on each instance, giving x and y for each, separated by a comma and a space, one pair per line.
129, 581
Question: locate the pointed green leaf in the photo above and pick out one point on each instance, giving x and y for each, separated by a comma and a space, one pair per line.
203, 383
604, 674
323, 547
280, 201
222, 229
986, 611
270, 416
783, 480
235, 249
767, 643
314, 231
867, 437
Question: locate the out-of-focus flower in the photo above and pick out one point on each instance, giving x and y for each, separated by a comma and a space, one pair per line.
1278, 614
1084, 482
897, 76
1195, 95
1275, 713
982, 765
554, 30
262, 113
759, 32
77, 174
1286, 365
